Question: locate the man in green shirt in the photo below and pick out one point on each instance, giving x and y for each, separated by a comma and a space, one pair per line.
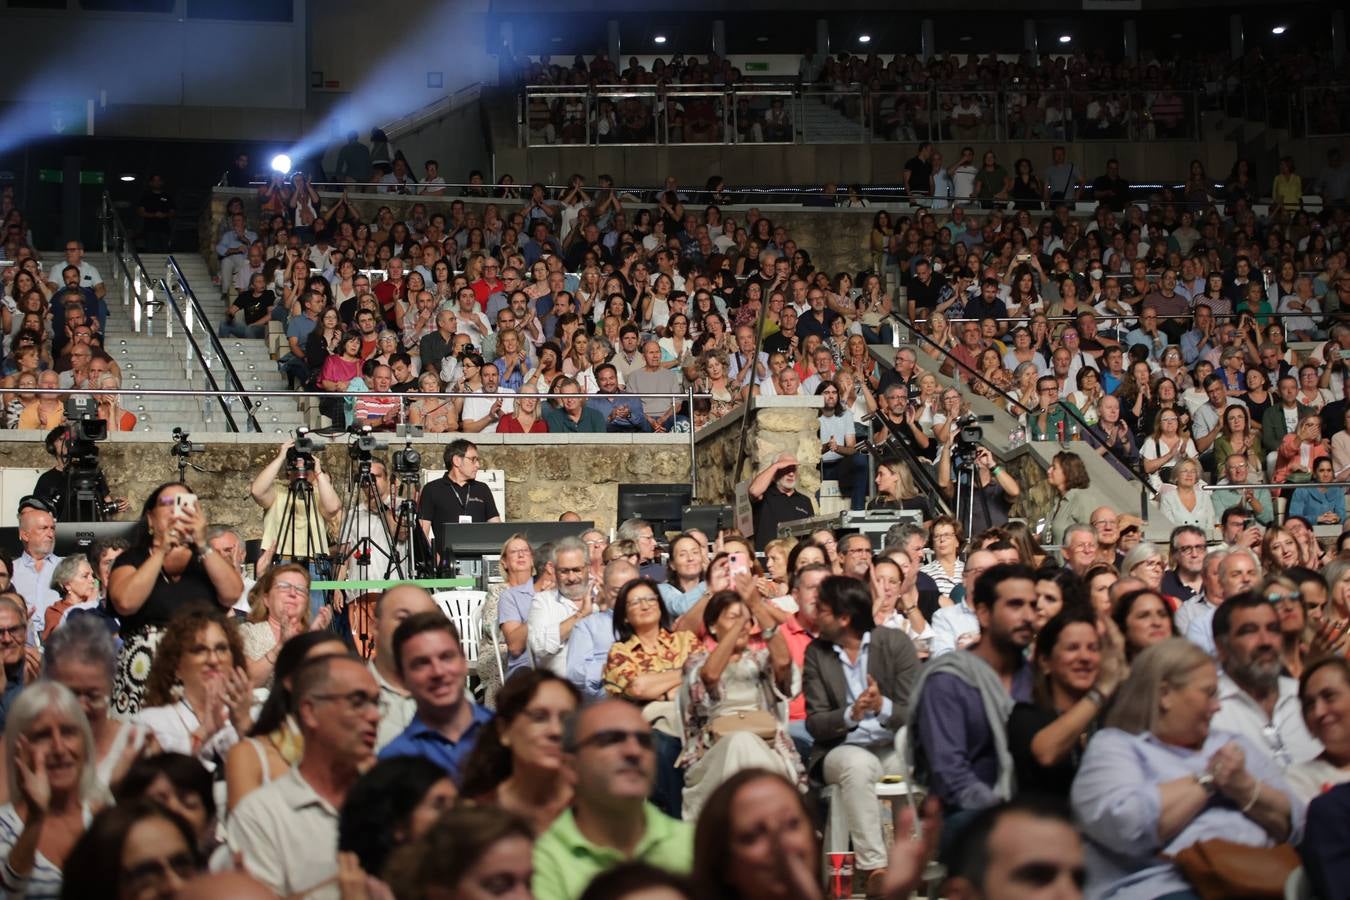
609, 747
573, 416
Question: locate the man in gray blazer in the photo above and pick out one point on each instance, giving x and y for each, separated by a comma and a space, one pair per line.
857, 682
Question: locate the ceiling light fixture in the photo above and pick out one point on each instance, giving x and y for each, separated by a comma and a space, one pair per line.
1279, 29
660, 39
864, 39
1065, 38
128, 178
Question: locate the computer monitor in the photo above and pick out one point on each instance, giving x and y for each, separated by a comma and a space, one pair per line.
708, 519
459, 539
75, 537
661, 505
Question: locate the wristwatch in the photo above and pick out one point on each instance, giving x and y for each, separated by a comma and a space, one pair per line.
1095, 697
1206, 781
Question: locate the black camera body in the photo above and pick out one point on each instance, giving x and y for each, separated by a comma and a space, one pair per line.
365, 443
85, 428
183, 446
407, 463
300, 458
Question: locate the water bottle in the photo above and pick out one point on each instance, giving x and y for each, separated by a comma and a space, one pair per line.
1059, 430
1073, 432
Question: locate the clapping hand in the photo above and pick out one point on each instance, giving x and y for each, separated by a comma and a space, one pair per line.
33, 782
869, 701
1228, 765
913, 848
236, 695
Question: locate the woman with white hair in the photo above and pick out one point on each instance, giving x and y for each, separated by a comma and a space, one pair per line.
82, 656
54, 789
1145, 562
73, 580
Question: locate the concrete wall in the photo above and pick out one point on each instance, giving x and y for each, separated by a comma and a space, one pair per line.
545, 474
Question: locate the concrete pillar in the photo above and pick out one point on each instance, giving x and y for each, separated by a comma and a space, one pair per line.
1338, 37
612, 27
927, 42
719, 37
822, 39
1237, 44
1029, 39
1131, 47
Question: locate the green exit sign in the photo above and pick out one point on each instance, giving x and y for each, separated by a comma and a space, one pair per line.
56, 176
756, 67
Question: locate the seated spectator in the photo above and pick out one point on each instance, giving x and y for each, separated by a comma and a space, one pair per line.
430, 660
1324, 690
573, 415
524, 417
684, 585
73, 580
1158, 743
1076, 678
1187, 504
249, 312
1323, 505
436, 415
285, 831
517, 764
957, 734
391, 806
54, 788
462, 851
555, 612
858, 682
609, 749
731, 696
125, 842
621, 412
1300, 450
274, 743
49, 410
198, 698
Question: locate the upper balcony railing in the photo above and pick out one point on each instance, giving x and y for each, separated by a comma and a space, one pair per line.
764, 113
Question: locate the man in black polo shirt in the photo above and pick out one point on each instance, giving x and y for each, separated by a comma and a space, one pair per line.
456, 498
988, 305
775, 499
925, 288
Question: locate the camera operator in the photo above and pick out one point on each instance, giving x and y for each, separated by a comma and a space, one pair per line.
994, 486
52, 485
365, 549
307, 540
457, 497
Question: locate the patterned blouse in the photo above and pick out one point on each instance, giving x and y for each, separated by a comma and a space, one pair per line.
629, 659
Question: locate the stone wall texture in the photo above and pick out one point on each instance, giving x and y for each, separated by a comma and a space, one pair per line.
542, 481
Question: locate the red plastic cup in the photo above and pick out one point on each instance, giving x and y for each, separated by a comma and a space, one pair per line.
841, 875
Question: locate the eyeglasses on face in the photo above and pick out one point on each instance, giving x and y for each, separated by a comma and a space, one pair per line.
357, 701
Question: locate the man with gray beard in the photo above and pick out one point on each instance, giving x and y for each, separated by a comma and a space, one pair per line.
1255, 700
553, 614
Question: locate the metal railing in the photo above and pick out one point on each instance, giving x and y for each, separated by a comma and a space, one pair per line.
133, 282
754, 113
687, 397
193, 318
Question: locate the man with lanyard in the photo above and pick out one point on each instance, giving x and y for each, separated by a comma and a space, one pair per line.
457, 498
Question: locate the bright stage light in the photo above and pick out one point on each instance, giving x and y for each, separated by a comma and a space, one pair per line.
281, 163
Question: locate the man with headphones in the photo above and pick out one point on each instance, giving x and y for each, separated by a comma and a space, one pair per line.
52, 485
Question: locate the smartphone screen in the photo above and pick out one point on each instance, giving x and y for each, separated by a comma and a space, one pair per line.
738, 562
182, 503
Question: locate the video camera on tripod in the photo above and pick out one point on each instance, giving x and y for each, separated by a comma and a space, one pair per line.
365, 444
969, 435
300, 457
407, 462
84, 479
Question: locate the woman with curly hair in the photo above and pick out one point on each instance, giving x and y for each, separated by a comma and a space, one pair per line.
198, 698
713, 379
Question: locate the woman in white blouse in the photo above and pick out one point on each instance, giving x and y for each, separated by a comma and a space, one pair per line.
1324, 694
198, 697
278, 610
1188, 505
1168, 444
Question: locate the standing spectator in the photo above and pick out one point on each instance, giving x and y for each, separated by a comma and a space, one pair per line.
609, 747
287, 831
773, 493
35, 566
1110, 190
957, 725
858, 681
1287, 188
430, 660
156, 211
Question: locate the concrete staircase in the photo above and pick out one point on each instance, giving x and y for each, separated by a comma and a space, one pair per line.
155, 361
820, 123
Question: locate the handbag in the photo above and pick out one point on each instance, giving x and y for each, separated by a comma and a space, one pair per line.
1219, 869
758, 722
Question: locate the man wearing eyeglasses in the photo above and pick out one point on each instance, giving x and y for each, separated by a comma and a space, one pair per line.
431, 662
1255, 700
286, 831
1185, 580
609, 748
19, 664
556, 613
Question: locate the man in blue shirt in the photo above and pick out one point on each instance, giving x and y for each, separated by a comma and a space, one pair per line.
431, 662
622, 413
232, 249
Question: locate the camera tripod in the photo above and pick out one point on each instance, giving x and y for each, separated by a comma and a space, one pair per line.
290, 548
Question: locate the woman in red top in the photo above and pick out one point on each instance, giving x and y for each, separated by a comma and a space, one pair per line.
524, 418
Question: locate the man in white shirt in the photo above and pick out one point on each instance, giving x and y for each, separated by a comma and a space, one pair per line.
433, 183
1238, 572
553, 614
397, 706
230, 546
956, 627
286, 831
32, 575
1255, 700
1211, 592
963, 173
480, 413
89, 276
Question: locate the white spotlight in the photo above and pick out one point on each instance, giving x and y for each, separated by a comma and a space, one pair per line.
864, 39
128, 178
1279, 29
281, 163
660, 39
1065, 38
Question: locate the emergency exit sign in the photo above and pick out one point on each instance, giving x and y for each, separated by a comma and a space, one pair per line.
56, 176
756, 67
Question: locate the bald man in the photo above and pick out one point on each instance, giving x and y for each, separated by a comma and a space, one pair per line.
956, 626
397, 707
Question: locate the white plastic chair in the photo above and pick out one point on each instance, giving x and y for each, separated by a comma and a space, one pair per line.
465, 609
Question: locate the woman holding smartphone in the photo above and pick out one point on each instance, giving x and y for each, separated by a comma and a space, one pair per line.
168, 567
